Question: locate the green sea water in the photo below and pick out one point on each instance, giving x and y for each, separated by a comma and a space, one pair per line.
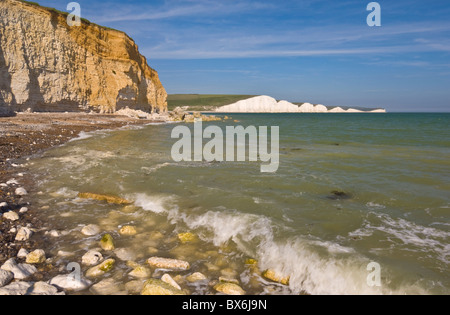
392, 172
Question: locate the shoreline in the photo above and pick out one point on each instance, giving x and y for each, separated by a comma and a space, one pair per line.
22, 137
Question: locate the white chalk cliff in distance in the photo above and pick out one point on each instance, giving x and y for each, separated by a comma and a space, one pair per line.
267, 104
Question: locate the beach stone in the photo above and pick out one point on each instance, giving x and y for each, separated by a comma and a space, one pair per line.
169, 280
3, 205
21, 191
23, 210
15, 288
229, 288
101, 269
229, 280
187, 237
107, 242
128, 230
70, 283
134, 286
20, 271
43, 288
140, 272
36, 257
275, 277
92, 258
5, 277
195, 277
11, 215
107, 287
107, 198
159, 287
130, 209
91, 230
125, 254
24, 234
166, 263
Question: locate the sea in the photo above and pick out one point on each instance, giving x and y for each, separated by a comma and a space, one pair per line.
360, 204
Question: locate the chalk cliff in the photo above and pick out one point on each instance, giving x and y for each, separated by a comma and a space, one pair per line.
46, 65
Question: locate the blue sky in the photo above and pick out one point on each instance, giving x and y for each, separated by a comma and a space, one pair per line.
305, 50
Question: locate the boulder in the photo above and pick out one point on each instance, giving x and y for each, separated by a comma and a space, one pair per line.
159, 287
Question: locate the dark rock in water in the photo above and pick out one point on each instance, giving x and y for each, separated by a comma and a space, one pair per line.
339, 195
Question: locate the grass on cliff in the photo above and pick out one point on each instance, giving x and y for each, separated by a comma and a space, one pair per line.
203, 102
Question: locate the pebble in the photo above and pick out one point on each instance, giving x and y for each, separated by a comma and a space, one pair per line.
22, 253
70, 283
195, 277
3, 205
36, 257
11, 215
101, 269
169, 280
23, 210
167, 263
140, 272
91, 230
159, 287
92, 258
229, 288
24, 234
5, 277
21, 191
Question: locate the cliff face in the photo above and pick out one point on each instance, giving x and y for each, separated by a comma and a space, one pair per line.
46, 65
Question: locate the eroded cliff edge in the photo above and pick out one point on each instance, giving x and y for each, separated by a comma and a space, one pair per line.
46, 65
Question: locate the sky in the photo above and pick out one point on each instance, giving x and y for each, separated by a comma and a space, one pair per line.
316, 51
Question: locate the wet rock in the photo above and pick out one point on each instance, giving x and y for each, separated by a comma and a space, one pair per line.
229, 280
101, 269
107, 242
15, 288
169, 280
107, 198
195, 277
21, 191
92, 258
70, 282
125, 254
166, 263
140, 272
91, 230
36, 257
11, 215
5, 277
127, 230
24, 234
43, 288
20, 271
275, 277
134, 286
107, 287
187, 237
159, 287
339, 195
229, 288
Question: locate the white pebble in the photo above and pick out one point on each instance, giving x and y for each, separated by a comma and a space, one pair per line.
3, 205
21, 191
11, 215
23, 210
22, 253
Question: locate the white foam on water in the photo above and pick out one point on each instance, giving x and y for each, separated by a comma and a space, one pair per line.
81, 136
418, 237
342, 271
